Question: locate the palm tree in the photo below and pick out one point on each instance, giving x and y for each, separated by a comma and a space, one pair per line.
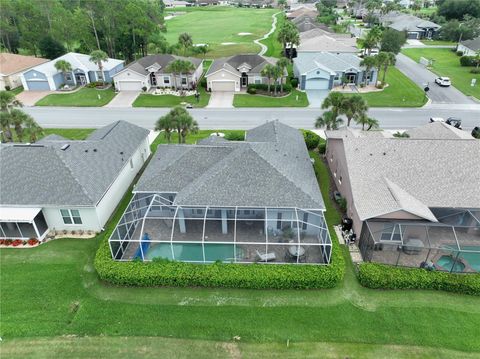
369, 63
334, 102
282, 64
276, 74
99, 57
293, 38
186, 67
18, 118
33, 128
5, 123
187, 124
268, 72
389, 61
372, 39
165, 123
175, 67
364, 120
8, 100
354, 107
63, 66
185, 42
328, 120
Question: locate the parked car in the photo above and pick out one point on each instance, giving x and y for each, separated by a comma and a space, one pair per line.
476, 132
452, 121
443, 81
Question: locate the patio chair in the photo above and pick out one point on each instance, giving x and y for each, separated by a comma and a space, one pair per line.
266, 257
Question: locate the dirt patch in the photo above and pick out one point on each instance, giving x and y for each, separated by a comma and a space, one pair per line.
228, 43
233, 350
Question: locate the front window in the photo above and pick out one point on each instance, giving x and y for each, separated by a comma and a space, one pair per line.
184, 80
166, 80
68, 77
71, 216
258, 80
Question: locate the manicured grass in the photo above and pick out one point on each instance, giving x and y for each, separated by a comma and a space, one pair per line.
275, 48
246, 100
70, 133
51, 302
214, 25
438, 42
447, 63
17, 90
148, 100
85, 97
401, 92
192, 138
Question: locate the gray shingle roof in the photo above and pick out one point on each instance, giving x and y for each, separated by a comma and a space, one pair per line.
435, 173
439, 131
254, 61
473, 44
407, 22
271, 168
308, 61
163, 60
44, 174
327, 44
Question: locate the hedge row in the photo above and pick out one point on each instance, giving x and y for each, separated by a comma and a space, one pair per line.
264, 87
382, 276
253, 276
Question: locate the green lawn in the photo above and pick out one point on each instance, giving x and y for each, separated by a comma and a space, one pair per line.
70, 133
148, 100
192, 138
438, 43
85, 97
214, 25
246, 100
17, 90
401, 92
53, 305
447, 63
275, 48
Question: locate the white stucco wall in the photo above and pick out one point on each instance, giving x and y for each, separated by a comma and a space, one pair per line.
55, 221
223, 76
466, 51
128, 75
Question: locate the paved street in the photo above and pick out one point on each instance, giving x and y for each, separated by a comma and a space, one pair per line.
420, 75
245, 118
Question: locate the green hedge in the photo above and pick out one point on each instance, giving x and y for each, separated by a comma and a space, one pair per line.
311, 139
253, 276
382, 276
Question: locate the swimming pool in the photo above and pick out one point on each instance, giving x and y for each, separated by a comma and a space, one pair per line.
447, 261
193, 252
472, 259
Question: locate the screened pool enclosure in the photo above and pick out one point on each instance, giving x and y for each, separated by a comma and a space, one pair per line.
452, 244
153, 227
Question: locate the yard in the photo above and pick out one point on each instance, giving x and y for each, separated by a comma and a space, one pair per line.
401, 92
275, 48
447, 63
70, 133
52, 304
148, 100
214, 25
85, 97
246, 100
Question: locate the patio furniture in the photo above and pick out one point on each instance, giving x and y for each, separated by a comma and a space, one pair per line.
296, 251
266, 257
413, 246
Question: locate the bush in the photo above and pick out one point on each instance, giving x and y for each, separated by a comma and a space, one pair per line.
235, 136
294, 82
382, 276
17, 242
322, 147
311, 139
7, 88
475, 71
94, 84
144, 88
264, 87
459, 53
203, 82
32, 241
468, 61
251, 90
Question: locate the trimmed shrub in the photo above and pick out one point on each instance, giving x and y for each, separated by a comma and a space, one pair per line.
235, 136
475, 71
468, 61
294, 82
459, 53
264, 87
311, 139
203, 82
251, 90
382, 276
7, 88
322, 148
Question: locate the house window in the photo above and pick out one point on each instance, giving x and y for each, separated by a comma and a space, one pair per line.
166, 80
258, 80
131, 163
71, 216
337, 77
68, 77
184, 80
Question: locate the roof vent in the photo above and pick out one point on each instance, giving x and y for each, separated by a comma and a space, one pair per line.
64, 147
94, 150
86, 150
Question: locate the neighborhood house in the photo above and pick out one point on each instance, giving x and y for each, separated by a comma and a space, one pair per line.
252, 201
12, 66
46, 77
61, 184
415, 27
469, 47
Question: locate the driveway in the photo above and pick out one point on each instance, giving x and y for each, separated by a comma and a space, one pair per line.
123, 99
30, 98
421, 76
221, 99
316, 97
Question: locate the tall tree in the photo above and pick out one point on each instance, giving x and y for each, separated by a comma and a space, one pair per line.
329, 121
392, 40
51, 48
33, 129
5, 123
334, 102
18, 119
99, 57
369, 63
8, 101
389, 60
371, 40
64, 67
177, 68
354, 107
165, 124
282, 64
364, 120
268, 72
185, 42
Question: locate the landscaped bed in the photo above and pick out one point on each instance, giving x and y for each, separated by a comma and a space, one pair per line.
447, 63
149, 100
85, 97
294, 99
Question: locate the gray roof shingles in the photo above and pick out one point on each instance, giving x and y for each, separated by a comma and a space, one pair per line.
256, 63
162, 60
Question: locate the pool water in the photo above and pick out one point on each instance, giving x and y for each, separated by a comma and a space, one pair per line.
192, 252
471, 258
446, 262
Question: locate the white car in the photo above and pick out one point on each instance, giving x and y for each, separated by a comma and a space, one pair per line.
443, 81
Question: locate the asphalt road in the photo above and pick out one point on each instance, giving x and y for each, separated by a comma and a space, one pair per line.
209, 118
421, 76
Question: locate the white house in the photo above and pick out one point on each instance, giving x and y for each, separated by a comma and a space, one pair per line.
469, 47
46, 77
65, 184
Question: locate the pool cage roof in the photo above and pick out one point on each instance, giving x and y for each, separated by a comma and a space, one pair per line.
165, 222
457, 229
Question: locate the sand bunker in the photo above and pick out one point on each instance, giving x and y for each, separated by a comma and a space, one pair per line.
227, 43
244, 33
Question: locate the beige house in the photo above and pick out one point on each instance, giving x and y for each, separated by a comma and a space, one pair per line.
12, 66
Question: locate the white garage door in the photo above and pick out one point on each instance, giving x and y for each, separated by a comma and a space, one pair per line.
317, 84
129, 85
223, 86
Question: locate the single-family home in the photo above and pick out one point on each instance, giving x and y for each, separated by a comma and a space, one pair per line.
46, 77
413, 201
236, 72
256, 200
326, 43
324, 70
469, 47
306, 22
12, 66
65, 184
302, 12
176, 3
153, 71
415, 27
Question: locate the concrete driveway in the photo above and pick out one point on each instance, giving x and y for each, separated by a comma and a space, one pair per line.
30, 98
123, 99
221, 99
316, 97
420, 75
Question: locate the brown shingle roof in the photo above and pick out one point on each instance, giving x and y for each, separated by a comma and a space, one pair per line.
13, 63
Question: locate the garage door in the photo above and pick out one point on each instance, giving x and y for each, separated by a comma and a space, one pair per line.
317, 84
413, 35
129, 85
223, 86
38, 85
